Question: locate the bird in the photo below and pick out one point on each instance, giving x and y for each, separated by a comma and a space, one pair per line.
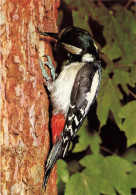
73, 91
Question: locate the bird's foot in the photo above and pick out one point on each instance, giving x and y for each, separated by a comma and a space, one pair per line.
50, 66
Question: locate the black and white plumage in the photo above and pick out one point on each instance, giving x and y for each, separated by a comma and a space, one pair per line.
83, 95
76, 87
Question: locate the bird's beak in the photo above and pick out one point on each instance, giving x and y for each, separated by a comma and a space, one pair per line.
53, 35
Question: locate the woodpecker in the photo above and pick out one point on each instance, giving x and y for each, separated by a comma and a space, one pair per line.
73, 92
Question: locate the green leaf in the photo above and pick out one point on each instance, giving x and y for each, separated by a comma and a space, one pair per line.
74, 4
112, 50
133, 76
127, 59
85, 183
95, 142
115, 96
130, 155
107, 188
104, 101
133, 177
86, 138
100, 14
109, 30
62, 171
116, 44
122, 77
128, 25
129, 125
80, 19
114, 171
108, 99
127, 28
93, 161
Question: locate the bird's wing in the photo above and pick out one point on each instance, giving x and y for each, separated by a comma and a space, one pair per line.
84, 93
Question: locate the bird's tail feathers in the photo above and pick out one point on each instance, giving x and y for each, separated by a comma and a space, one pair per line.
52, 158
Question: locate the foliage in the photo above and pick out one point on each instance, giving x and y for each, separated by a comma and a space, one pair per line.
103, 170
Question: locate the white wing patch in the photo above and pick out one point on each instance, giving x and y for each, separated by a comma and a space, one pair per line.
70, 118
76, 121
65, 139
82, 111
71, 130
92, 93
96, 46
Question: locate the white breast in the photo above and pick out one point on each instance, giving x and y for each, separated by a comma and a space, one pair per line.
61, 88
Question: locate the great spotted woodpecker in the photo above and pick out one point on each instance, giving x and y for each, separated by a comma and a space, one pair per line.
73, 92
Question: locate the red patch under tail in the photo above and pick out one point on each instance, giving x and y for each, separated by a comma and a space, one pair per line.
57, 125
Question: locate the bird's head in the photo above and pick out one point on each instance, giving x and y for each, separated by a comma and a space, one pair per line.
78, 43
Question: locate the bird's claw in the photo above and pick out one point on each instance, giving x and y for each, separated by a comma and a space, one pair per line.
50, 66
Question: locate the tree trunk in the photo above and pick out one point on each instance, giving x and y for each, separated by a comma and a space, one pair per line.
24, 137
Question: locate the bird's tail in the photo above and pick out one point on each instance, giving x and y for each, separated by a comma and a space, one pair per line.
52, 158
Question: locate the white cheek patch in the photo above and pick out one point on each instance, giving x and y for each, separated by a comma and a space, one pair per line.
87, 58
72, 49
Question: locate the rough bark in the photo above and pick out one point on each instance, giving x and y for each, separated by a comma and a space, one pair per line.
24, 135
